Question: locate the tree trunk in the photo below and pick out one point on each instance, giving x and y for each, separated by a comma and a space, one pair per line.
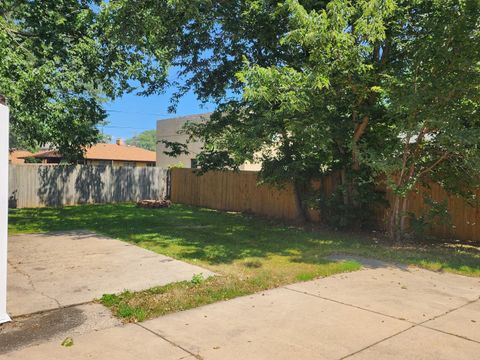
393, 223
346, 192
299, 204
359, 131
397, 224
403, 217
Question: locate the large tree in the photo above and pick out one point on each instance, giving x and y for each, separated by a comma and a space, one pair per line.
432, 95
60, 60
373, 86
146, 140
296, 84
399, 82
364, 87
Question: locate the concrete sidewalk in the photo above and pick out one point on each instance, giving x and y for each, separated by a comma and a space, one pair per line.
50, 271
377, 313
54, 278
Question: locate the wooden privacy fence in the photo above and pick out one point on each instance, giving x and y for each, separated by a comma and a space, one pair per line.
238, 191
231, 191
57, 185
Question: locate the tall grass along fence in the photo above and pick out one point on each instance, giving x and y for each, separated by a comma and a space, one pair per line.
32, 185
238, 191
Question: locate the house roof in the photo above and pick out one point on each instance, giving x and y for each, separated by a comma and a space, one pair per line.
18, 156
108, 152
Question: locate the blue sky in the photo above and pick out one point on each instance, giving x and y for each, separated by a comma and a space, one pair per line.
133, 114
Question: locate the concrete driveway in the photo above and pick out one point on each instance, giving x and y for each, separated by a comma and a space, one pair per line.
382, 312
49, 271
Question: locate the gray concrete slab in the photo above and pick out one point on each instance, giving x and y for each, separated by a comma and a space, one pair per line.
118, 343
22, 296
48, 271
277, 324
413, 294
54, 325
463, 322
308, 320
421, 344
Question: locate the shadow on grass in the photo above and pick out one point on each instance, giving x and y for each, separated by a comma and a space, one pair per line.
196, 234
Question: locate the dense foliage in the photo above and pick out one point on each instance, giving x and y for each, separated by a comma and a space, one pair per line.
59, 61
146, 140
308, 87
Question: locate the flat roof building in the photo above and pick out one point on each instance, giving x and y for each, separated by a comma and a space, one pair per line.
170, 130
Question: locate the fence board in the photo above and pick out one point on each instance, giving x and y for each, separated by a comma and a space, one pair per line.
32, 185
238, 191
232, 191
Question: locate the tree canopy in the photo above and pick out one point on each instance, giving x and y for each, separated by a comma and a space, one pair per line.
146, 140
368, 87
308, 87
60, 60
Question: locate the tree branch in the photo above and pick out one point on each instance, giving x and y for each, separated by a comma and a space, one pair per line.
431, 167
359, 131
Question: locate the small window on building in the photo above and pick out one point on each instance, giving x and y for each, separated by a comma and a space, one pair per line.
151, 164
130, 163
193, 163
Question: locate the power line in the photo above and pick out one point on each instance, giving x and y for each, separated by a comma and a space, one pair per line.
132, 128
148, 113
136, 112
125, 127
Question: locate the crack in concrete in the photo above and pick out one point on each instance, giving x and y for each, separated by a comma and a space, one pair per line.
449, 333
376, 343
185, 357
446, 313
414, 324
451, 310
32, 284
351, 305
196, 356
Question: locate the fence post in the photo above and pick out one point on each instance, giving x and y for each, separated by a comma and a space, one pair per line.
4, 151
168, 184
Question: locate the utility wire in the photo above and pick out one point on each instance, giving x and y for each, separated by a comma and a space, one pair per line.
137, 112
125, 127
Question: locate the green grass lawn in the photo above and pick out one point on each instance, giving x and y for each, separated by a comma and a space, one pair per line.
249, 254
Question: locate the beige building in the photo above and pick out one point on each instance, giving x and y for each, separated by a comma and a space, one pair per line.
170, 130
